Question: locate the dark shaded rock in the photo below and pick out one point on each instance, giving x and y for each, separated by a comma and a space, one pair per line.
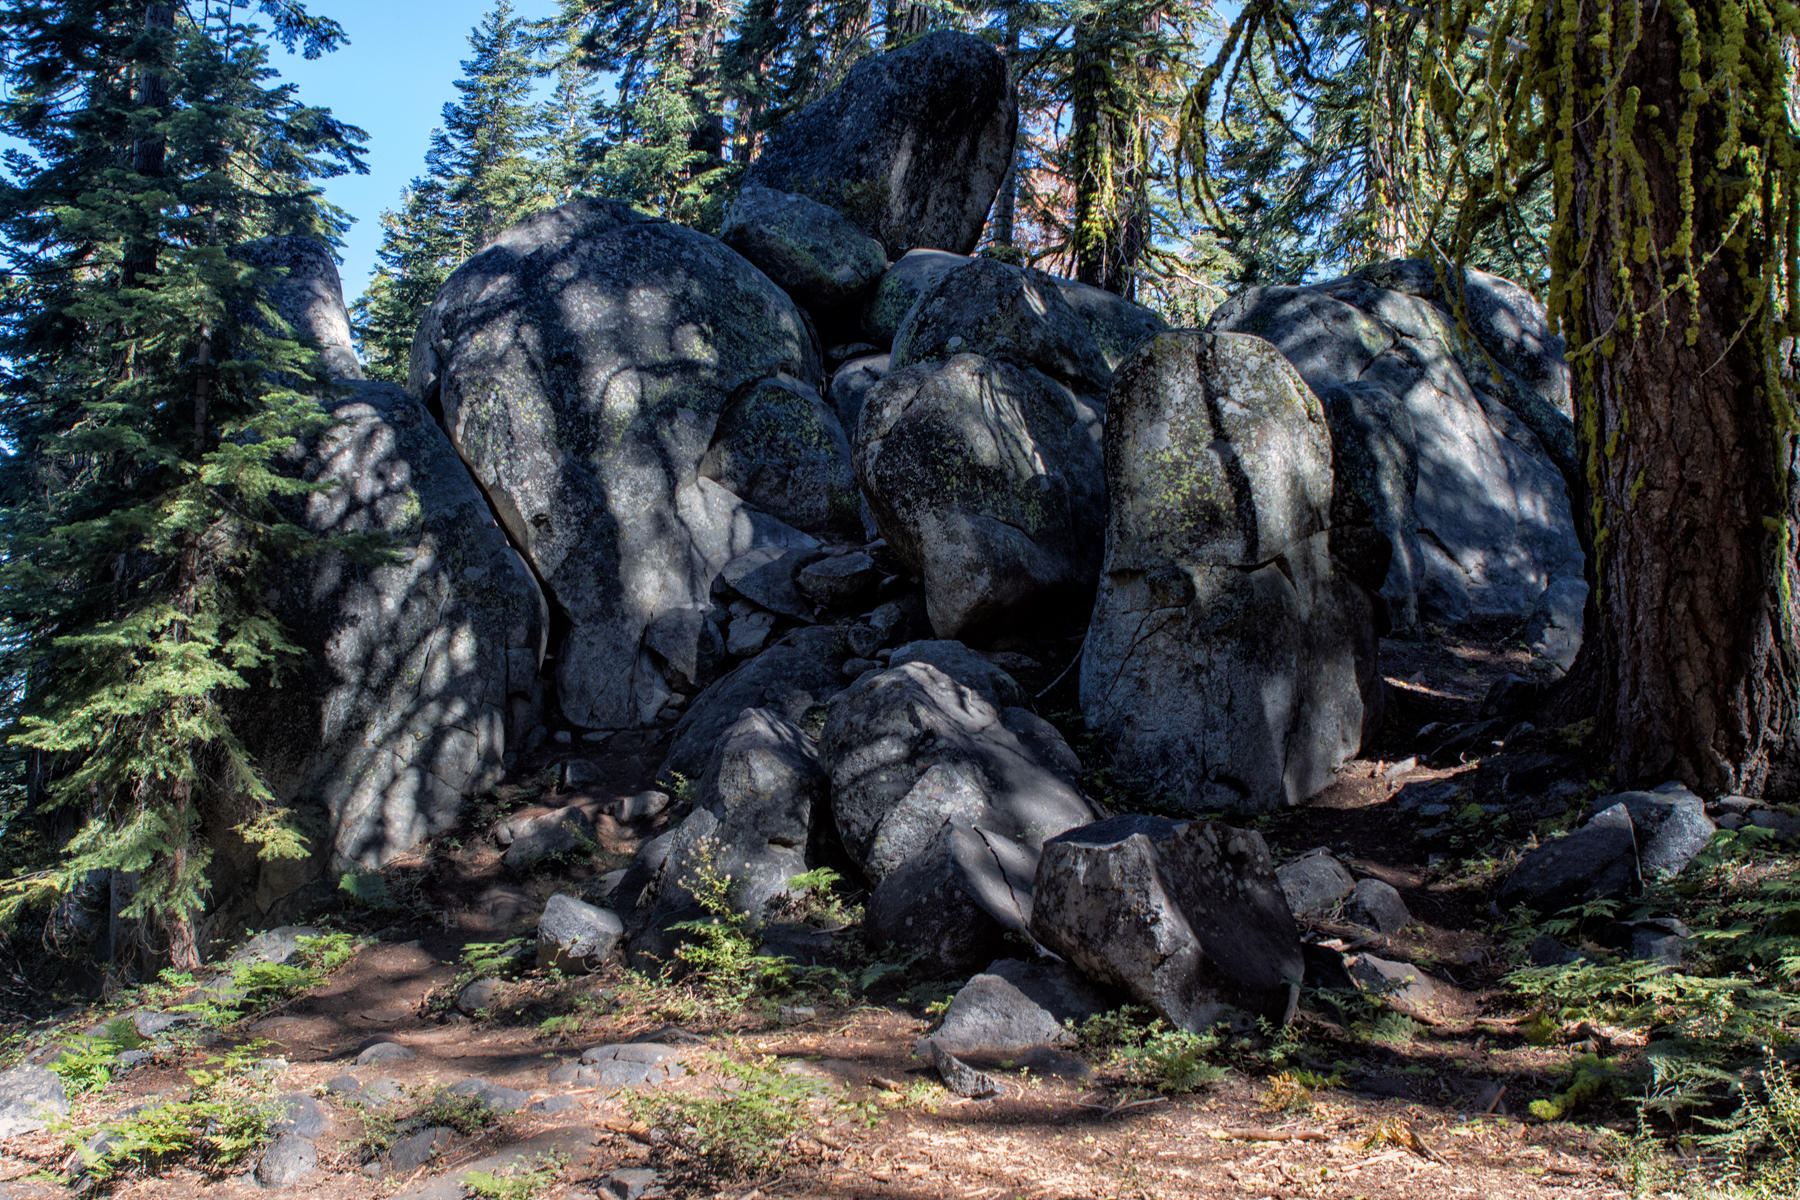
812, 252
1014, 1006
972, 670
1377, 905
1314, 884
1399, 984
958, 900
911, 146
1546, 951
909, 748
756, 806
1462, 449
986, 479
302, 1116
583, 362
1186, 917
1597, 861
850, 385
780, 447
1682, 834
1325, 969
575, 936
630, 1183
916, 273
840, 581
1231, 657
419, 673
789, 678
416, 1149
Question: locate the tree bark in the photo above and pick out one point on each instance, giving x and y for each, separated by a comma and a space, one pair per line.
1688, 512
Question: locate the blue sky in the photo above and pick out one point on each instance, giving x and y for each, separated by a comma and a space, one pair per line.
393, 80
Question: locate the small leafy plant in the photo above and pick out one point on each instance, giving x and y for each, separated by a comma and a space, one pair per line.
89, 1064
744, 1132
224, 1120
515, 1182
1151, 1053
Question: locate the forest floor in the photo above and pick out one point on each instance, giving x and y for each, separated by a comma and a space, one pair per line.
1354, 1100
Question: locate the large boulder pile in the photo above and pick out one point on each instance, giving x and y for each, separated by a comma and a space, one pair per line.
1460, 446
592, 365
1231, 656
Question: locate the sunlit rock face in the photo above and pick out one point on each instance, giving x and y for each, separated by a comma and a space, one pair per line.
420, 669
610, 379
1230, 661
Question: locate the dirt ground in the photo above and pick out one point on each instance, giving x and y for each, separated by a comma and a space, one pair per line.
1436, 1111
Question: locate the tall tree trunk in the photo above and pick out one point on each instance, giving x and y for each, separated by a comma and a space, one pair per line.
1000, 229
1689, 516
905, 19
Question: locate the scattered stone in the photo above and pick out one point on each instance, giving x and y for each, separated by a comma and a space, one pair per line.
749, 633
537, 838
1400, 985
30, 1099
796, 1014
1231, 657
151, 1024
621, 1065
1187, 917
959, 1077
574, 936
416, 1149
1014, 1006
642, 807
1314, 883
280, 945
552, 1104
1595, 862
479, 995
289, 1159
496, 1098
301, 1115
630, 1183
1377, 905
382, 1052
345, 1084
839, 581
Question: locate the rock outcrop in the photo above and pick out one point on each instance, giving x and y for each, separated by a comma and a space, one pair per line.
419, 672
1460, 447
911, 146
1230, 660
308, 295
585, 364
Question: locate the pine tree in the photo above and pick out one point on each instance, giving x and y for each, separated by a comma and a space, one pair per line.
484, 171
147, 394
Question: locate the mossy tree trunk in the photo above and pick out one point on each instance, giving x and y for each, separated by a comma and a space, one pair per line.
1689, 512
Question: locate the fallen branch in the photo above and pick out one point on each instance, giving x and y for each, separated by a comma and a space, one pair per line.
1270, 1135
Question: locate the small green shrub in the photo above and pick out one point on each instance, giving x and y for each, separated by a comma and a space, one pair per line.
740, 1134
88, 1064
223, 1121
466, 1114
1151, 1053
376, 1132
263, 985
515, 1182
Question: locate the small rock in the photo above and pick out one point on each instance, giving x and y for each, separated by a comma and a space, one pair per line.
478, 996
1783, 825
642, 806
30, 1098
1378, 906
1014, 1006
576, 773
345, 1085
749, 634
576, 936
841, 581
289, 1159
416, 1149
540, 837
856, 668
796, 1014
958, 1076
1314, 883
153, 1024
382, 1052
552, 1104
302, 1116
1399, 984
1683, 834
1596, 861
630, 1183
1405, 766
493, 1096
278, 945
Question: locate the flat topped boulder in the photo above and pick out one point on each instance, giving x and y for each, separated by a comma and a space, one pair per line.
1230, 660
911, 146
584, 364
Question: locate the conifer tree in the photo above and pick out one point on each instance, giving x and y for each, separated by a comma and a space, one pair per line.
147, 393
483, 172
